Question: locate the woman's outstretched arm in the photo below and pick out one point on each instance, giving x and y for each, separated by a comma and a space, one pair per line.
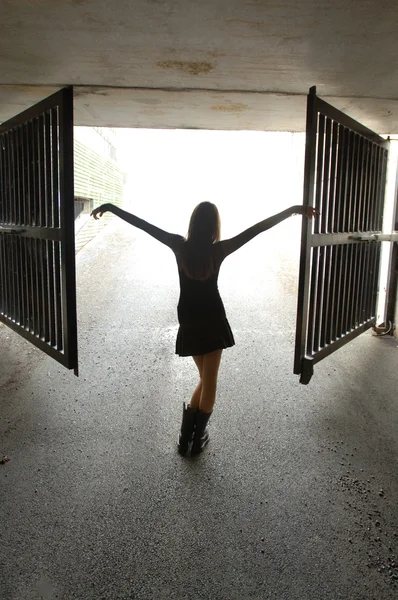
233, 244
163, 236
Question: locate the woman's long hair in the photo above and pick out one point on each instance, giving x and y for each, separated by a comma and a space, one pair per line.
197, 255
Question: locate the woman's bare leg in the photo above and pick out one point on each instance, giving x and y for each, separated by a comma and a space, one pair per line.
195, 400
209, 374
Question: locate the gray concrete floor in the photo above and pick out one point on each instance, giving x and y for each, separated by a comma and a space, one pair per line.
284, 504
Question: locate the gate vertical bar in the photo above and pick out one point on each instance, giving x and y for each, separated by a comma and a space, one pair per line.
305, 259
67, 218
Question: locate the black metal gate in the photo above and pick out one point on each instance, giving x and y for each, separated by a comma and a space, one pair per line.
345, 172
37, 245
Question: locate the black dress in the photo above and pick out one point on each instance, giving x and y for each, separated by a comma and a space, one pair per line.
201, 314
203, 323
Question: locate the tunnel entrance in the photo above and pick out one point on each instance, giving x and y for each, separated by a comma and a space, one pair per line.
164, 185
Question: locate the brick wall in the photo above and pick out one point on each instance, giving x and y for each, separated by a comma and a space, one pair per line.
99, 179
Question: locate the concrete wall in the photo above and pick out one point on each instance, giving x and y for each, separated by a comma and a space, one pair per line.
224, 64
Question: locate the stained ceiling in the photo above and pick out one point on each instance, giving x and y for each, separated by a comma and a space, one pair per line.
213, 64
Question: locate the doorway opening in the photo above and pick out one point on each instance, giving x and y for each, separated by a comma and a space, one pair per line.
249, 175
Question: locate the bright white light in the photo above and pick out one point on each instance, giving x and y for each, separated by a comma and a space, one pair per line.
248, 175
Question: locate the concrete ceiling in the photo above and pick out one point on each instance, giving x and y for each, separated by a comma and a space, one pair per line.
213, 64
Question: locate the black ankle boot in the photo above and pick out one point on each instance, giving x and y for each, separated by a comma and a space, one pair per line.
201, 435
187, 428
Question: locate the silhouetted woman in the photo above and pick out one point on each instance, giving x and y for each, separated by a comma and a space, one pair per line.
204, 330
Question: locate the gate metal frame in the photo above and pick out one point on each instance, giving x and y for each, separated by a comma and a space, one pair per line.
344, 178
37, 242
393, 269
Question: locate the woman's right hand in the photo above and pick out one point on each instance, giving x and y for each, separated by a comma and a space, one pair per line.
99, 211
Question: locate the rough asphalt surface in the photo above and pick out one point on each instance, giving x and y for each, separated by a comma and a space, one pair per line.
295, 498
